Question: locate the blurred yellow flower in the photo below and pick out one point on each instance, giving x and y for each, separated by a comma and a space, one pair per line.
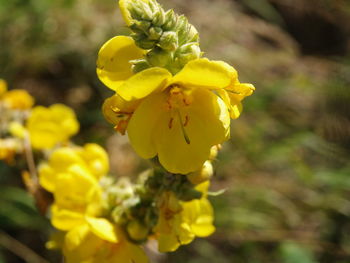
17, 99
72, 175
180, 222
179, 118
49, 126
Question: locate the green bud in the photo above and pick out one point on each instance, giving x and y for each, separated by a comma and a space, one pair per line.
170, 21
182, 29
155, 33
137, 231
155, 7
192, 34
159, 18
169, 41
140, 26
159, 57
146, 13
139, 65
143, 42
187, 53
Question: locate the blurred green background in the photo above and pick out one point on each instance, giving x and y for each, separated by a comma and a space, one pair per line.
286, 167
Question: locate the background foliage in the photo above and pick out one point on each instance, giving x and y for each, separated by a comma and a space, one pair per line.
286, 168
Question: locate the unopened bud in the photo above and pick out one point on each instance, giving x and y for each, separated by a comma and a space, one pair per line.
141, 26
137, 231
187, 53
159, 57
159, 18
143, 42
155, 33
169, 41
139, 65
170, 21
202, 175
182, 29
214, 152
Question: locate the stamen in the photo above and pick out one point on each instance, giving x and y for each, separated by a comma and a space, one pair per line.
170, 124
187, 119
187, 139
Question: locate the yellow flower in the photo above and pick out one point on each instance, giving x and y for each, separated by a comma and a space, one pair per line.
179, 118
88, 243
180, 222
49, 126
72, 176
17, 99
3, 87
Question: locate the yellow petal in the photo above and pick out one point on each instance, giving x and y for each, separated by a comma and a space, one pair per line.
96, 159
81, 245
47, 177
144, 83
124, 252
167, 243
143, 123
113, 66
116, 109
65, 220
205, 73
232, 101
102, 228
208, 125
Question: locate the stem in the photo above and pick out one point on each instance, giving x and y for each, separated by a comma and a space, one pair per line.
28, 153
20, 249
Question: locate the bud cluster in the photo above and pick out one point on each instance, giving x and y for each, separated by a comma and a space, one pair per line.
170, 39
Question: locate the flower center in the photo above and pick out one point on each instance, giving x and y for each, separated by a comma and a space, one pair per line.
179, 98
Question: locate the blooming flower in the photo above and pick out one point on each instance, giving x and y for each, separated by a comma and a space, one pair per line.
179, 118
72, 176
180, 222
50, 126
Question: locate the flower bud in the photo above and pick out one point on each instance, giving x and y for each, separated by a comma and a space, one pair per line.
187, 53
143, 42
137, 231
182, 29
140, 27
214, 152
159, 18
202, 175
159, 57
170, 21
169, 41
139, 65
155, 33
